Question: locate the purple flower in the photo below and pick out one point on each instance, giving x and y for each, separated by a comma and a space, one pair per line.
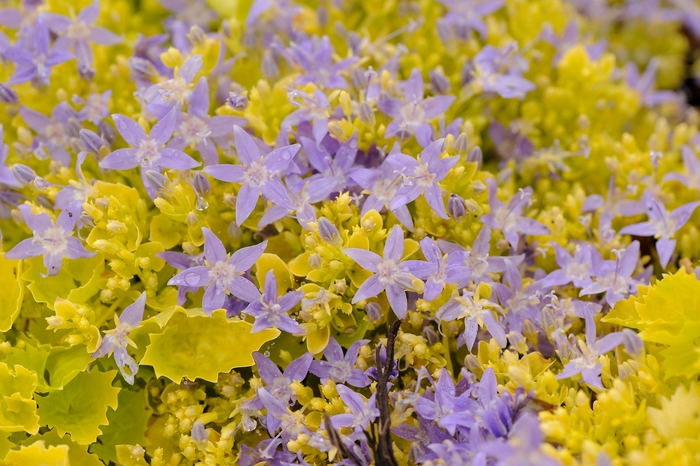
266, 452
76, 35
521, 301
6, 176
222, 274
645, 83
389, 273
614, 277
574, 268
117, 339
35, 60
53, 134
448, 409
438, 269
692, 165
196, 127
174, 92
257, 174
341, 368
662, 225
524, 445
422, 176
361, 414
281, 416
95, 108
302, 195
278, 383
182, 261
52, 240
509, 219
270, 311
147, 151
315, 58
476, 313
611, 206
499, 71
586, 363
467, 15
338, 168
412, 113
316, 110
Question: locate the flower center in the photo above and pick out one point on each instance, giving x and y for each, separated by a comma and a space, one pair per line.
341, 370
147, 151
413, 114
78, 30
53, 240
193, 129
387, 271
222, 273
257, 174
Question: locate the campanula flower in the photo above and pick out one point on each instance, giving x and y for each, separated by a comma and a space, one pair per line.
438, 270
341, 368
270, 311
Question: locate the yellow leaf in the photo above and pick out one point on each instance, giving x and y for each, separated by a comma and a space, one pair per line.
13, 292
317, 341
38, 454
195, 345
272, 262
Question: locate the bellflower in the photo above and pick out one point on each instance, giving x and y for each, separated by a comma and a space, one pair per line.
422, 176
315, 58
278, 383
314, 109
389, 273
574, 268
7, 178
222, 274
448, 409
53, 134
341, 368
692, 166
52, 240
182, 261
467, 16
270, 311
303, 194
361, 414
412, 113
438, 270
523, 447
257, 174
282, 416
614, 277
75, 35
339, 167
117, 340
175, 92
477, 312
499, 71
662, 225
509, 218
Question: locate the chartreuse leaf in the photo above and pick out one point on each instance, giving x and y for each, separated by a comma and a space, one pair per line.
77, 454
194, 345
679, 416
13, 292
81, 407
268, 262
127, 425
17, 408
63, 364
39, 454
33, 358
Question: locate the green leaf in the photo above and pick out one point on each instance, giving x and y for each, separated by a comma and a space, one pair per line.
77, 281
38, 454
17, 408
13, 292
194, 345
127, 425
81, 407
77, 454
63, 364
33, 358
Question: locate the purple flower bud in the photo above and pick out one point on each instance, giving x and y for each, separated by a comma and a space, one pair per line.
475, 155
367, 114
439, 83
462, 143
7, 95
269, 66
374, 312
23, 173
74, 127
237, 101
196, 35
443, 29
142, 69
456, 207
201, 184
92, 141
107, 132
199, 433
41, 184
327, 230
359, 78
157, 180
430, 335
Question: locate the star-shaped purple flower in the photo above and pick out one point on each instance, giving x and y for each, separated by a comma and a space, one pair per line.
614, 277
341, 368
222, 274
270, 311
438, 270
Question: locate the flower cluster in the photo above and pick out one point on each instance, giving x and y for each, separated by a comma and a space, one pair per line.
275, 232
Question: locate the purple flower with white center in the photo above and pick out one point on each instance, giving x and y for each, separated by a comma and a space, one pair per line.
315, 58
174, 92
257, 174
645, 83
438, 270
361, 414
477, 313
315, 110
422, 176
222, 274
278, 383
499, 71
182, 261
692, 166
382, 183
116, 340
662, 225
79, 190
197, 129
147, 151
389, 273
522, 302
586, 363
6, 176
95, 108
302, 195
339, 167
448, 409
76, 35
574, 268
341, 368
270, 311
191, 12
524, 445
53, 135
510, 144
35, 60
509, 219
280, 416
22, 18
466, 16
614, 277
52, 240
478, 258
266, 452
612, 206
412, 113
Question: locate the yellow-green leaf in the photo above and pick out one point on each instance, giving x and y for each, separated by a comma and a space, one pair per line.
77, 454
268, 262
13, 292
127, 425
17, 408
194, 345
38, 454
81, 407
